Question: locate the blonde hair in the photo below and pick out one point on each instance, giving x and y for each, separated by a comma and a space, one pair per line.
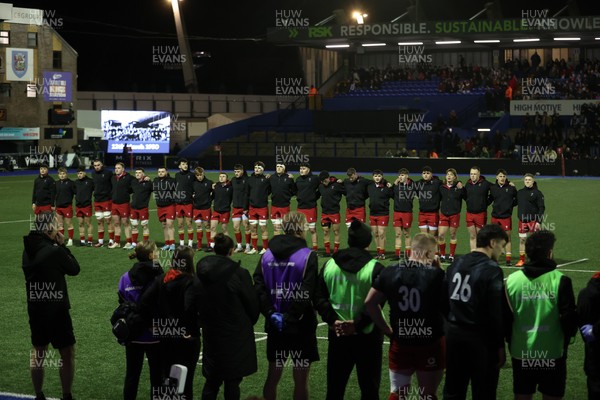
423, 247
143, 251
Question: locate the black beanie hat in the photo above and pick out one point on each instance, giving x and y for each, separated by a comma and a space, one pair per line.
323, 175
359, 235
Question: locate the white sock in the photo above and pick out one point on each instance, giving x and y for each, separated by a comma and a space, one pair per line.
181, 243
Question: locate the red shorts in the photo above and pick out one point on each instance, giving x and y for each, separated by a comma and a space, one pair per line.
258, 213
183, 210
66, 212
238, 213
103, 205
528, 227
431, 219
379, 220
202, 215
121, 210
141, 215
402, 219
330, 219
39, 209
310, 214
479, 219
452, 221
166, 212
430, 357
356, 213
279, 212
505, 223
83, 211
221, 217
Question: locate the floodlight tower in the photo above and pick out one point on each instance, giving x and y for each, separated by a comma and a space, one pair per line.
189, 75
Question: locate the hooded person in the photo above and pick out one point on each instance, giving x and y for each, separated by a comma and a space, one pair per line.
342, 288
170, 303
285, 279
228, 308
46, 261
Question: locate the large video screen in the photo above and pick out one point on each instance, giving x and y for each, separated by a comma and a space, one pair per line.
142, 131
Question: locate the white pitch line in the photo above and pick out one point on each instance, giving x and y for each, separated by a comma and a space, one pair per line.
573, 262
14, 222
566, 270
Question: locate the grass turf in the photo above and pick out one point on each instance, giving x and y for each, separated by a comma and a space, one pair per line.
100, 361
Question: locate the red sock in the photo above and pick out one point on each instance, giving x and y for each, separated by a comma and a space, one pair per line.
443, 249
100, 235
199, 237
82, 238
315, 247
378, 250
111, 235
62, 231
117, 238
522, 257
452, 249
134, 236
169, 242
336, 247
407, 252
208, 239
265, 243
327, 248
394, 396
146, 237
128, 240
70, 232
181, 236
190, 235
254, 242
90, 239
238, 238
248, 238
397, 252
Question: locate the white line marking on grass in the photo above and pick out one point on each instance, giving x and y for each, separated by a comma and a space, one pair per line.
589, 271
23, 396
13, 222
573, 262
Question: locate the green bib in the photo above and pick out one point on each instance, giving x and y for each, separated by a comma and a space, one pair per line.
348, 291
536, 330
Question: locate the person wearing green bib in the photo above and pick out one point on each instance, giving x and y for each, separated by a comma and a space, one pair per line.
342, 288
541, 319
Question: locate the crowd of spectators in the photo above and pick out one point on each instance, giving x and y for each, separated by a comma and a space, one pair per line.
564, 80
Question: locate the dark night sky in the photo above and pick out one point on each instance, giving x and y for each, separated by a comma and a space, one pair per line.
115, 40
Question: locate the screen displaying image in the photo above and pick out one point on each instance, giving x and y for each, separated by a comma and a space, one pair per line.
141, 131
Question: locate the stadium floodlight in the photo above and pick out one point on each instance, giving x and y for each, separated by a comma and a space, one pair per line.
373, 44
336, 46
526, 40
567, 38
359, 17
487, 41
483, 129
410, 43
449, 42
598, 38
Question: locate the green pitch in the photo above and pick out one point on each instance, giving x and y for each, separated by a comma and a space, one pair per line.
100, 361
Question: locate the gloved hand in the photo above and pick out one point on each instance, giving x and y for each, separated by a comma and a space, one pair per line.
277, 321
587, 332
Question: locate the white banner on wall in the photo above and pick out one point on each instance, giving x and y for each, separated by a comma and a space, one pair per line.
563, 107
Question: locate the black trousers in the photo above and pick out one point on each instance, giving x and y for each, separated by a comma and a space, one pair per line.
134, 355
364, 351
469, 357
185, 352
231, 390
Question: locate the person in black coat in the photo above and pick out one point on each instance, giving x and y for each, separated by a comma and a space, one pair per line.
228, 308
46, 261
172, 298
588, 310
